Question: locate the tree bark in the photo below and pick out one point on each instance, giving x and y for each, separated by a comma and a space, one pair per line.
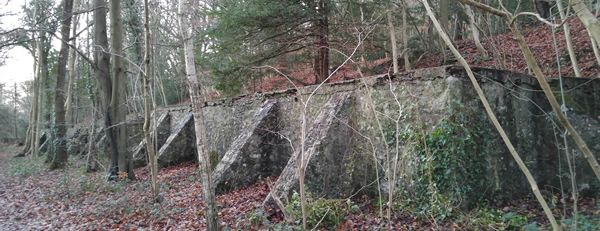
321, 64
60, 144
29, 141
210, 204
591, 23
405, 39
572, 55
147, 107
594, 44
72, 57
102, 74
118, 106
42, 75
492, 116
475, 32
92, 158
15, 100
444, 15
47, 116
393, 40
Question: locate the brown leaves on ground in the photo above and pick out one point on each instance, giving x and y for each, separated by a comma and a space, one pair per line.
71, 199
539, 37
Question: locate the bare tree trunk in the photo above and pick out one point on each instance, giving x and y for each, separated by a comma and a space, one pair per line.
490, 113
32, 111
393, 39
591, 23
15, 100
31, 126
72, 57
147, 107
563, 18
475, 31
92, 159
444, 15
60, 155
405, 39
102, 73
42, 75
210, 204
321, 64
594, 44
162, 92
118, 104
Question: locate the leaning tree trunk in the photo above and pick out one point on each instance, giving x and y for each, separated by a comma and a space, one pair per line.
210, 204
572, 55
60, 144
475, 32
492, 116
591, 23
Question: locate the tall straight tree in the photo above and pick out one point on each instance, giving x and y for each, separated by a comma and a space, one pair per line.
60, 153
393, 40
38, 18
15, 101
72, 57
118, 108
210, 202
29, 134
321, 32
42, 74
102, 73
147, 107
405, 38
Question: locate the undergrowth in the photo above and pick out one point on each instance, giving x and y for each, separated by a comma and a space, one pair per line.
320, 212
24, 167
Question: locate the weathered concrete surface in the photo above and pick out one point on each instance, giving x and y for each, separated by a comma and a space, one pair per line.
324, 152
140, 156
420, 97
251, 155
531, 125
180, 145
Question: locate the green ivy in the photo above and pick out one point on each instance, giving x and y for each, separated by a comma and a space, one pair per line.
450, 163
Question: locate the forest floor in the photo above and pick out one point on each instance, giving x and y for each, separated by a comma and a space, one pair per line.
503, 50
34, 198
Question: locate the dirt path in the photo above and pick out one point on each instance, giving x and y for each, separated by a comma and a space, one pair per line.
7, 221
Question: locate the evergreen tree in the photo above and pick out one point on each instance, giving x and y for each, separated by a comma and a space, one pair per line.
252, 33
